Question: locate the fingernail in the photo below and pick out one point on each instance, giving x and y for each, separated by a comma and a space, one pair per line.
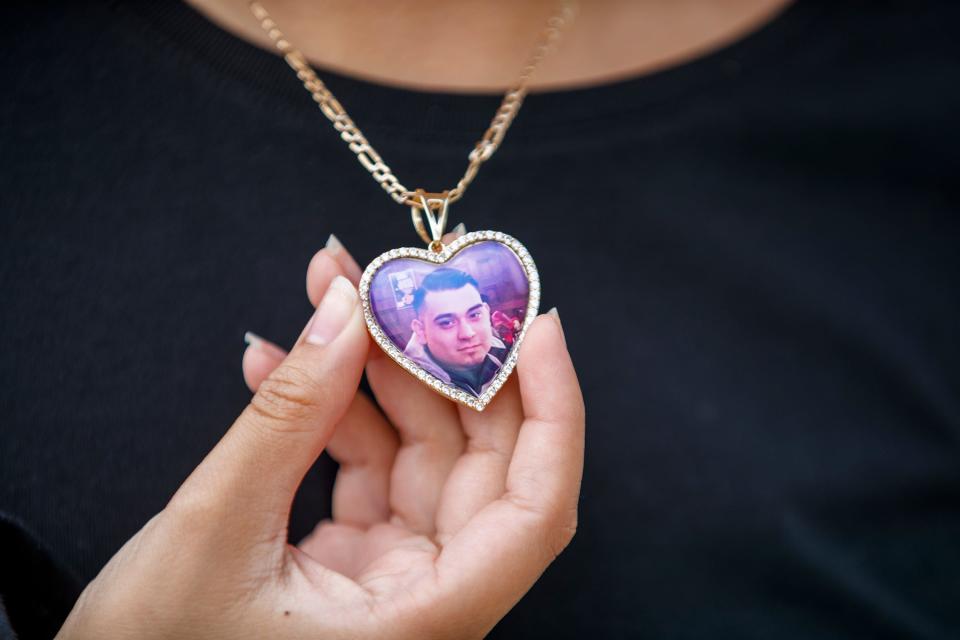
332, 313
556, 315
253, 339
460, 229
263, 345
333, 245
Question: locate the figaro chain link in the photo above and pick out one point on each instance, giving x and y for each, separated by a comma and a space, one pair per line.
368, 156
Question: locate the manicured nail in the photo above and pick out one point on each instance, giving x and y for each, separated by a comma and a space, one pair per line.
333, 245
265, 346
556, 315
253, 339
332, 313
459, 230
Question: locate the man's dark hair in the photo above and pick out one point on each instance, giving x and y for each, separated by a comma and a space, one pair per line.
441, 280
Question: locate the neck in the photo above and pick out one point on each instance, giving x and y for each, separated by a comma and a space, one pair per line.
466, 372
481, 45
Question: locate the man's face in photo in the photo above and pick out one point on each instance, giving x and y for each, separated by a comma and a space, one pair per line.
455, 325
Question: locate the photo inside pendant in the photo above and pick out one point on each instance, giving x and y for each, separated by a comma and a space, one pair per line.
457, 320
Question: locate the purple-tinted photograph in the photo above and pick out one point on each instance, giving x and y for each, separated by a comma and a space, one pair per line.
457, 320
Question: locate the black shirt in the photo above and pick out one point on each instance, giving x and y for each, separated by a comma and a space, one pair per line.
754, 256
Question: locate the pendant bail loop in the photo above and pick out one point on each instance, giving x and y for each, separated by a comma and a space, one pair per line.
429, 204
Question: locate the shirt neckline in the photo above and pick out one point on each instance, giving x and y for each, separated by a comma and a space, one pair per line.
415, 111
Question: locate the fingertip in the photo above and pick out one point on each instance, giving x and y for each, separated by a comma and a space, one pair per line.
321, 271
548, 381
353, 270
344, 258
253, 368
264, 346
545, 334
259, 359
553, 313
454, 233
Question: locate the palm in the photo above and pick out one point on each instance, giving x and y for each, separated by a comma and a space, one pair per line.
408, 485
368, 556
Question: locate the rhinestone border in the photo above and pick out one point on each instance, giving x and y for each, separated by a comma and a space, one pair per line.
449, 251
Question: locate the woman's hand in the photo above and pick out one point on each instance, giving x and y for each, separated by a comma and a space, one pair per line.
442, 517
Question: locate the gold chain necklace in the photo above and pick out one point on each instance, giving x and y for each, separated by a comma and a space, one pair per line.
452, 315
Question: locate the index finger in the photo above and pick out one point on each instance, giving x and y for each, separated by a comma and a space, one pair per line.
503, 549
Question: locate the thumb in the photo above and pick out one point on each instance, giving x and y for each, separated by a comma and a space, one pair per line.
257, 466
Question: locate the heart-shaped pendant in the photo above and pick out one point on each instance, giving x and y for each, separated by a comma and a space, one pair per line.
454, 316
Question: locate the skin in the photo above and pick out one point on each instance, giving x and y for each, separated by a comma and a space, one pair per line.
455, 325
432, 500
480, 45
